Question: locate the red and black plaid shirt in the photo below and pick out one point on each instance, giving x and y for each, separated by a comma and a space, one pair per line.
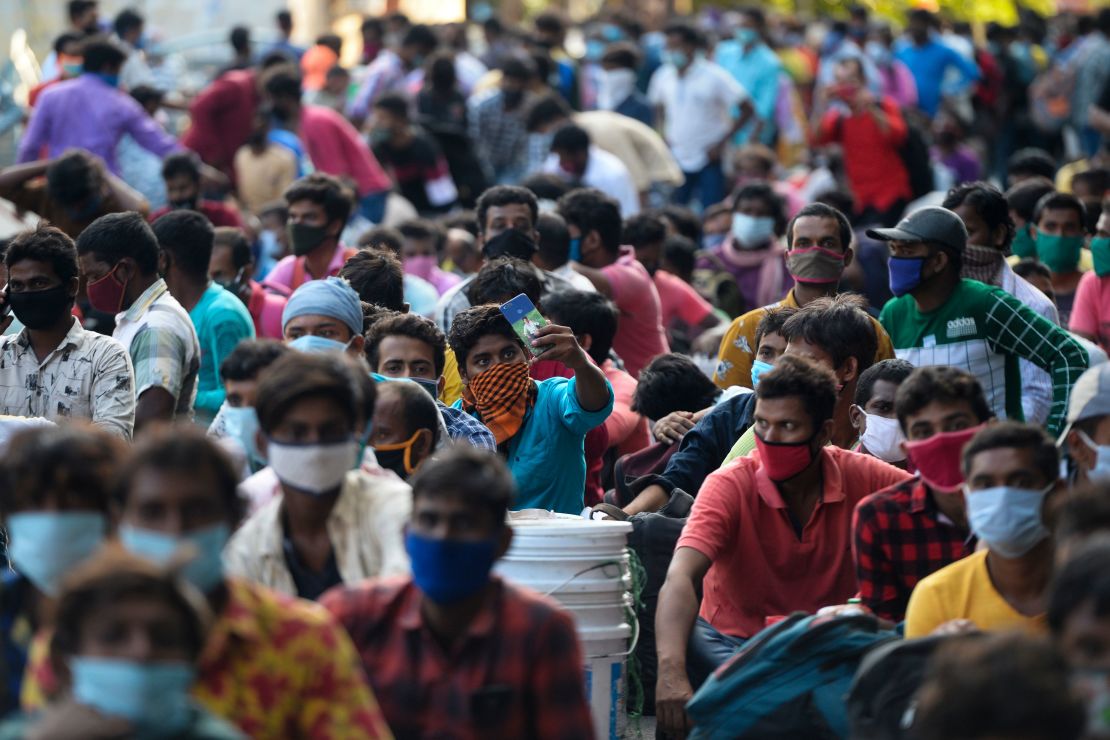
899, 537
517, 673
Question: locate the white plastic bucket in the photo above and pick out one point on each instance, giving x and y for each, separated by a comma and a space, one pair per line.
605, 682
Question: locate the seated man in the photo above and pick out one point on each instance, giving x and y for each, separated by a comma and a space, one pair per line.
454, 650
324, 316
541, 426
873, 414
181, 172
917, 527
1081, 518
405, 427
232, 268
1012, 472
769, 534
323, 522
413, 347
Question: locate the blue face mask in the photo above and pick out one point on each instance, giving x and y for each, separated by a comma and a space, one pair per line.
450, 570
758, 368
314, 345
45, 545
205, 570
241, 424
154, 697
905, 274
746, 36
675, 58
107, 79
1101, 470
1007, 518
575, 254
431, 386
595, 49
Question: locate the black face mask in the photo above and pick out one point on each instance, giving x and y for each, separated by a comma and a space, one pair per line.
189, 204
512, 98
41, 309
393, 460
510, 242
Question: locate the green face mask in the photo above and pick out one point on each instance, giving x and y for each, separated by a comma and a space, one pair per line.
1023, 245
304, 238
1059, 253
1100, 253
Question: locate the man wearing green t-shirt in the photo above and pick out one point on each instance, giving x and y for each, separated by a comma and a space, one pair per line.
937, 318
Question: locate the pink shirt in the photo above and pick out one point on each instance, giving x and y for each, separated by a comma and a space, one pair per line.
640, 335
285, 270
679, 300
335, 147
1090, 314
628, 431
266, 308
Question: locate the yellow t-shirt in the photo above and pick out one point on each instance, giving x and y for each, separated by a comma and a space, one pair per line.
963, 590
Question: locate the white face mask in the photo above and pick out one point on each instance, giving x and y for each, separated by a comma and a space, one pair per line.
614, 87
315, 469
883, 438
1101, 470
751, 232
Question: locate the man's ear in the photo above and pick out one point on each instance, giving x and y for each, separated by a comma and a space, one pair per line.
849, 255
74, 287
998, 236
849, 371
338, 229
422, 447
585, 341
827, 430
441, 384
357, 343
262, 444
1083, 455
858, 418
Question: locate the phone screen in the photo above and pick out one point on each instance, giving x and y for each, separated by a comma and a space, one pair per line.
526, 321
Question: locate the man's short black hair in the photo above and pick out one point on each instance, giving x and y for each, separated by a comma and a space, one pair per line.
383, 237
284, 20
683, 221
297, 376
101, 53
77, 8
570, 139
1029, 267
394, 103
324, 190
551, 21
282, 81
644, 229
1060, 202
622, 55
240, 39
1084, 579
420, 37
802, 378
65, 39
1097, 179
250, 357
774, 202
987, 201
331, 41
585, 313
1017, 435
503, 279
377, 277
554, 243
505, 195
233, 238
772, 323
1084, 512
1031, 162
372, 24
421, 229
687, 32
822, 210
838, 325
181, 163
126, 21
1023, 197
479, 477
406, 325
544, 110
465, 220
186, 236
681, 252
522, 69
669, 383
589, 209
115, 236
759, 20
48, 244
941, 383
80, 464
144, 94
546, 186
892, 371
471, 325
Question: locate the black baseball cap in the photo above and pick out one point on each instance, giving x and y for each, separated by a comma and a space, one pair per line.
931, 224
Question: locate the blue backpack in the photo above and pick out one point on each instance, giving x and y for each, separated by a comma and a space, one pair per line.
789, 681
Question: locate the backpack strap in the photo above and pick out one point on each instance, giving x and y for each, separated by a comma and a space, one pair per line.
298, 273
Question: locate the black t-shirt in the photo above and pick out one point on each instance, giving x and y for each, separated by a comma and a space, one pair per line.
413, 166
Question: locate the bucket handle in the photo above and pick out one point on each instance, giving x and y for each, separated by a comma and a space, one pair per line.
584, 571
632, 646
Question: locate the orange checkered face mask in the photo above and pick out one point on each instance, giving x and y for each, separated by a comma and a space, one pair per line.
501, 396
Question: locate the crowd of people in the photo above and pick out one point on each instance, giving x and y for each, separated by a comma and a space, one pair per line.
830, 295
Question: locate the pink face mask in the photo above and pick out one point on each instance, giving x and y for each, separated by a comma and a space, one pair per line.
939, 458
422, 266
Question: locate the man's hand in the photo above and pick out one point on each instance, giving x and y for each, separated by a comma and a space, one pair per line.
562, 346
956, 627
673, 427
672, 692
6, 317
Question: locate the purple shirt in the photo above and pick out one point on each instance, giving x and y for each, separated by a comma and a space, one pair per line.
86, 113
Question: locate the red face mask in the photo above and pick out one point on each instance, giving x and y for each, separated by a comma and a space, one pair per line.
106, 294
938, 458
784, 460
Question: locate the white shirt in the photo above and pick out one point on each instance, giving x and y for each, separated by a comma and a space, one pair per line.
698, 108
606, 173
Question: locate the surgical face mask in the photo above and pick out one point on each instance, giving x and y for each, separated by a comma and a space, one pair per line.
878, 53
303, 238
1007, 518
746, 36
398, 457
448, 571
45, 545
314, 345
1101, 470
883, 438
595, 49
614, 87
241, 424
675, 58
751, 232
205, 570
1059, 253
758, 368
314, 469
154, 697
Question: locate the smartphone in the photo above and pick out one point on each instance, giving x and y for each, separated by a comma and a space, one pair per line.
5, 306
526, 321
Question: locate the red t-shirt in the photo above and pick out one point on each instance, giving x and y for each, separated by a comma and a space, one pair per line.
871, 160
628, 431
220, 214
222, 119
761, 568
679, 300
640, 335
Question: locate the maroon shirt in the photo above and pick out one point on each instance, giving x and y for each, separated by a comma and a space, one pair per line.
222, 119
218, 213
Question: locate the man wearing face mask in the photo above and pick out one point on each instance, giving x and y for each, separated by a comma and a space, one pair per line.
232, 267
181, 172
576, 160
768, 535
818, 249
1012, 473
1087, 435
405, 427
937, 318
119, 258
909, 531
324, 316
496, 120
617, 89
393, 69
872, 412
1059, 234
236, 423
520, 674
54, 368
413, 158
324, 522
752, 63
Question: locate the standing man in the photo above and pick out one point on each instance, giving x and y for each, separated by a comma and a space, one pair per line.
54, 368
318, 211
1090, 316
220, 319
392, 70
752, 63
119, 258
286, 46
575, 159
696, 99
939, 318
181, 173
497, 124
929, 60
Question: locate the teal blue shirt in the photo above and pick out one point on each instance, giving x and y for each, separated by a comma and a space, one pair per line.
547, 456
221, 321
